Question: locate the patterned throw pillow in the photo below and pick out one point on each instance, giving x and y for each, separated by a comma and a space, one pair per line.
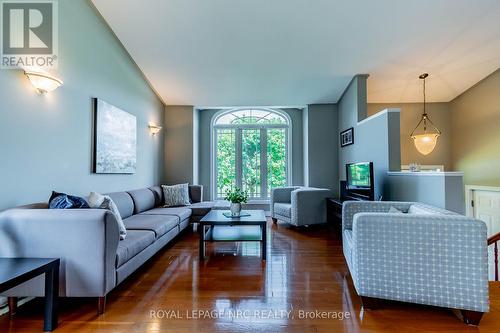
176, 195
65, 201
97, 200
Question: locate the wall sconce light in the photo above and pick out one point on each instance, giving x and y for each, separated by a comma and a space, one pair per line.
155, 129
43, 82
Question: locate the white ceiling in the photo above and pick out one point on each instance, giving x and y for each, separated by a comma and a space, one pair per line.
298, 52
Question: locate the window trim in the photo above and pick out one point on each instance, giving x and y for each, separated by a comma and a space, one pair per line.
213, 142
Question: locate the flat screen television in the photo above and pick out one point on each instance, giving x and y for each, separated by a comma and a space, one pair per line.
359, 181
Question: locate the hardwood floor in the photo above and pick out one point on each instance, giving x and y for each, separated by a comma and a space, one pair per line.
305, 272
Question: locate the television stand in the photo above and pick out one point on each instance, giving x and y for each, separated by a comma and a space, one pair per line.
334, 214
353, 198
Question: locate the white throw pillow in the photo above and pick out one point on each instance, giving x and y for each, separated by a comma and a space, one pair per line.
97, 200
176, 195
419, 210
395, 210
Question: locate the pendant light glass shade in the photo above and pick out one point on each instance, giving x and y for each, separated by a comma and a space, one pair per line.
425, 141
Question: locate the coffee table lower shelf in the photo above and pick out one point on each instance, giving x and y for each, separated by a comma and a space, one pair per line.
233, 234
216, 228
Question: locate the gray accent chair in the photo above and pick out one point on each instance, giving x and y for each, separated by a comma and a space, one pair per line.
93, 258
299, 206
427, 256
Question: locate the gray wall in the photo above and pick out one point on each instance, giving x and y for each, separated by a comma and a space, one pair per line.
179, 144
376, 139
436, 189
46, 140
297, 146
204, 163
440, 114
352, 105
455, 194
476, 132
196, 146
204, 144
322, 140
305, 145
348, 116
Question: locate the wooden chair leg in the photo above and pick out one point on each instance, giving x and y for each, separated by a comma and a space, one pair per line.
12, 301
101, 305
275, 220
471, 317
370, 303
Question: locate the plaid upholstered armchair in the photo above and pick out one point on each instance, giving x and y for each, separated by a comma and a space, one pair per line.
419, 254
299, 205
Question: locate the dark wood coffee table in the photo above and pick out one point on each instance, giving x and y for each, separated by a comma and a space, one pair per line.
14, 271
236, 229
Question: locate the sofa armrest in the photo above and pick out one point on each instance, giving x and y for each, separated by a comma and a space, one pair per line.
349, 208
309, 205
85, 240
437, 260
281, 194
196, 193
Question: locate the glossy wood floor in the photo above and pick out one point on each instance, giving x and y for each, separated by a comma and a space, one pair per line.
305, 271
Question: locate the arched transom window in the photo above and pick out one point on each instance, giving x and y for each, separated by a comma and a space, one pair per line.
251, 151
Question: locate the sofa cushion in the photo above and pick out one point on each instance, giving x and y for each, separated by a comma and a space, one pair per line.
158, 193
136, 241
283, 209
124, 202
144, 199
181, 212
195, 193
160, 224
201, 208
221, 205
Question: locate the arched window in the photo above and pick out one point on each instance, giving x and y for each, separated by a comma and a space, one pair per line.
250, 151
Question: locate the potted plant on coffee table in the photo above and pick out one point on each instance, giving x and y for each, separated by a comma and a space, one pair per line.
236, 197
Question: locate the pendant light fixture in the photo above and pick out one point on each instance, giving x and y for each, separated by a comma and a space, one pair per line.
425, 142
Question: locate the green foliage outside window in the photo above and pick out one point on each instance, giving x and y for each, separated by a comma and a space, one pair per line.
226, 162
250, 157
251, 161
276, 159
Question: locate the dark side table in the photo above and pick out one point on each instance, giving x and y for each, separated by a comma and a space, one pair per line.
14, 271
334, 214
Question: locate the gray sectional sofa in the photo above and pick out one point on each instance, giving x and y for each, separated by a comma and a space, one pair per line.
93, 259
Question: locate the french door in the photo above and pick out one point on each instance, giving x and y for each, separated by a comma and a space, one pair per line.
253, 158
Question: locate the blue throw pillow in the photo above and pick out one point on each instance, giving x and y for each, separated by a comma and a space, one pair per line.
65, 201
